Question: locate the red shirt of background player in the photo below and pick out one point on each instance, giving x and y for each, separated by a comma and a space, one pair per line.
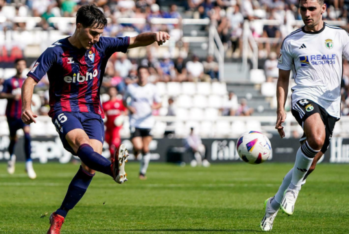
112, 110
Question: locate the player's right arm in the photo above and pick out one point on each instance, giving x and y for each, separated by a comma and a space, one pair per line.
40, 68
27, 92
284, 65
281, 94
127, 95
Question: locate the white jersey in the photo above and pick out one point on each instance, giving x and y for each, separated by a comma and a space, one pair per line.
316, 63
142, 98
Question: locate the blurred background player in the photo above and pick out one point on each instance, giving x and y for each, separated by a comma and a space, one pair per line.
193, 144
12, 92
141, 99
115, 112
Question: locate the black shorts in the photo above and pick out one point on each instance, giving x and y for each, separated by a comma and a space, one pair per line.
140, 132
305, 108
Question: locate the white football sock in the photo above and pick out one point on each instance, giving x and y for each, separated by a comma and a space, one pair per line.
275, 203
145, 163
304, 158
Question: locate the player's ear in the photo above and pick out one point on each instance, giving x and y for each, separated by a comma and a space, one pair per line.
323, 8
79, 27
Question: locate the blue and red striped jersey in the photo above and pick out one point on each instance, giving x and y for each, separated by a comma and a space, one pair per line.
75, 75
13, 85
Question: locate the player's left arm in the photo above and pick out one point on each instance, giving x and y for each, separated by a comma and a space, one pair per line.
27, 92
156, 100
345, 42
148, 38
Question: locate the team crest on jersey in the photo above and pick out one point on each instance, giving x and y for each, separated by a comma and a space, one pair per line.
329, 43
91, 56
70, 60
309, 108
304, 61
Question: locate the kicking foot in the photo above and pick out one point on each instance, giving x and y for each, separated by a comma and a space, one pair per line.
270, 214
118, 165
56, 222
11, 165
289, 201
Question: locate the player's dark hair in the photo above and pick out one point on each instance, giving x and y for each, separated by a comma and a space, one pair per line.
142, 67
18, 60
321, 2
90, 15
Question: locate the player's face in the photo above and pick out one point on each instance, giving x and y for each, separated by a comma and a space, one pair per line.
143, 76
20, 66
113, 92
88, 36
311, 12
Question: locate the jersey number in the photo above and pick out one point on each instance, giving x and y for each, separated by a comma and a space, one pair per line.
61, 118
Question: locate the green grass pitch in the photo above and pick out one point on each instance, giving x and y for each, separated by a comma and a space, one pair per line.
224, 198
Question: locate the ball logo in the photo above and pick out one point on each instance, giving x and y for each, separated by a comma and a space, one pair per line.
250, 145
77, 78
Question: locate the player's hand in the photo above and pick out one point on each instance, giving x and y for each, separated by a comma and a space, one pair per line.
281, 117
28, 116
161, 37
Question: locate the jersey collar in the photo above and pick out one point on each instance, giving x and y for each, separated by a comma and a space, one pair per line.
317, 32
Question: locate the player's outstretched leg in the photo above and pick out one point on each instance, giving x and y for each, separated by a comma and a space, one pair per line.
27, 149
304, 159
76, 190
270, 214
12, 162
144, 165
118, 164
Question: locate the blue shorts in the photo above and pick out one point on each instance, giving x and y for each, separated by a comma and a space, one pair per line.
91, 123
14, 124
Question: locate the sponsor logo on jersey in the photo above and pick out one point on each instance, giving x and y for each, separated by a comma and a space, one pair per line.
280, 58
304, 61
91, 56
318, 59
77, 78
34, 67
329, 43
309, 108
70, 60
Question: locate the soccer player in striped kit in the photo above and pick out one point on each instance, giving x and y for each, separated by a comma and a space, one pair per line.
75, 66
12, 92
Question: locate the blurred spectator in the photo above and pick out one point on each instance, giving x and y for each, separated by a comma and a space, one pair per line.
205, 9
180, 69
211, 68
193, 4
271, 32
173, 12
123, 65
230, 106
194, 146
40, 6
224, 31
150, 61
270, 67
166, 71
68, 8
247, 9
236, 18
243, 109
195, 69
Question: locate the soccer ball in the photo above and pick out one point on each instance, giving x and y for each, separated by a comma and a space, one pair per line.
253, 147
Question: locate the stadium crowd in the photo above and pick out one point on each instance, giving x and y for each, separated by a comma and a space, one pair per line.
183, 65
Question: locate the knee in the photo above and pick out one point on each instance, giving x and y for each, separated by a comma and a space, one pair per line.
13, 138
145, 149
316, 142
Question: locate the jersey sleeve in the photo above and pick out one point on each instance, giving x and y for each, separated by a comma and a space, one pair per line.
345, 42
43, 64
285, 58
6, 86
114, 44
